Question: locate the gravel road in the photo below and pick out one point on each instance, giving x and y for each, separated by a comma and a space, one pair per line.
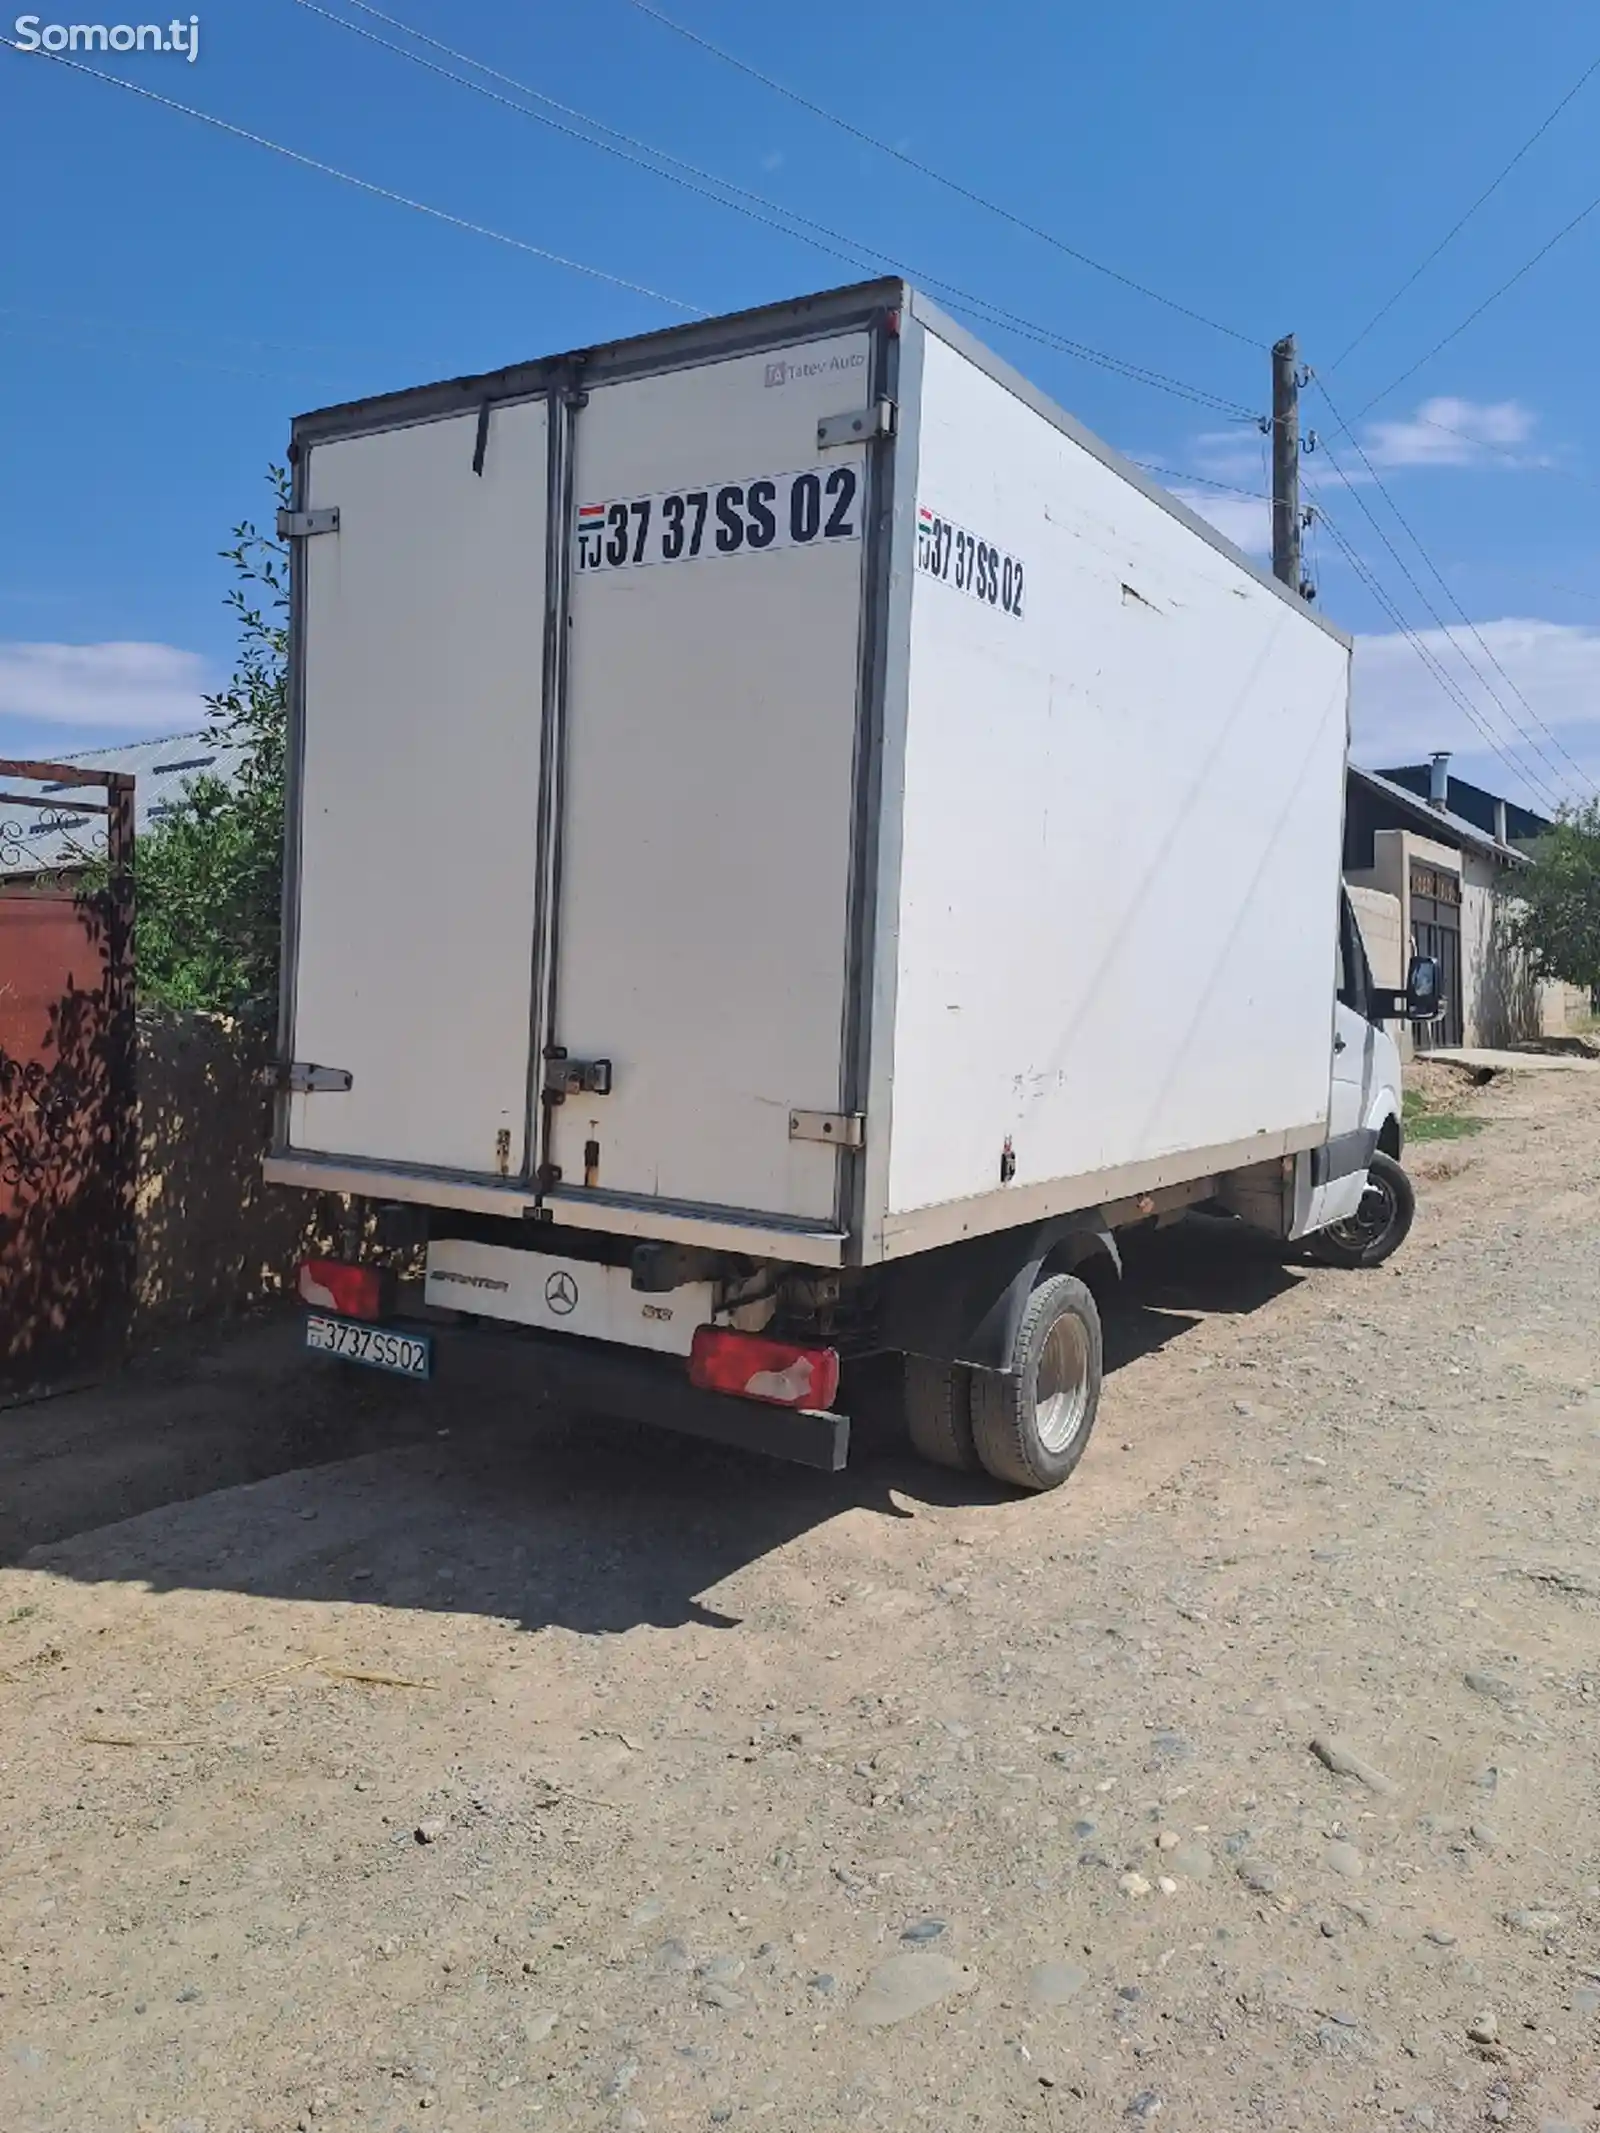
550, 1774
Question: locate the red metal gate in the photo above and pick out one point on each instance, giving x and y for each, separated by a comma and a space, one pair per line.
68, 1128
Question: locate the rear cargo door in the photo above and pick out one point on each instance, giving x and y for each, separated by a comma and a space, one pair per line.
711, 720
422, 626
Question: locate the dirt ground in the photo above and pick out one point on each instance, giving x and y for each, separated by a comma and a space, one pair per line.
396, 1763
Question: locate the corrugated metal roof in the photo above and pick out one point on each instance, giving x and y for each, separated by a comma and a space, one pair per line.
162, 771
1436, 822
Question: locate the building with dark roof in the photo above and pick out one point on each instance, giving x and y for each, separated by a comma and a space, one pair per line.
1506, 821
1448, 853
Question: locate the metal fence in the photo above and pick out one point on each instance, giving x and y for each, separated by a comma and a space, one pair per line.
68, 1116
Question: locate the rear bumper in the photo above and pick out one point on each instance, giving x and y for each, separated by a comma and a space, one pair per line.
628, 1385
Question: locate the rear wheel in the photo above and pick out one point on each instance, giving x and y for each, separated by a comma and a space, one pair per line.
1032, 1423
938, 1409
1379, 1226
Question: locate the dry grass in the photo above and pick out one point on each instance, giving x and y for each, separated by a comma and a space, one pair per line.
1439, 1169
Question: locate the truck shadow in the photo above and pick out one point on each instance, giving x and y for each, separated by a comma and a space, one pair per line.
1202, 1267
284, 1481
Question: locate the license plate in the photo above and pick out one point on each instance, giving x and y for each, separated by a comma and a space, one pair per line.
408, 1355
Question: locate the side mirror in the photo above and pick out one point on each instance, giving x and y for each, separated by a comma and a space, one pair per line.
1424, 1002
1421, 1001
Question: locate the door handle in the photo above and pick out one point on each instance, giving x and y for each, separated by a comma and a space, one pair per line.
1338, 1044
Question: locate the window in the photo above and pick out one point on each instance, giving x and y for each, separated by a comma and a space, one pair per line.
1355, 973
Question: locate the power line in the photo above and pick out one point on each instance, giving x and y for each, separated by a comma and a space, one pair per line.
1501, 451
1493, 297
642, 150
926, 170
365, 185
1451, 688
1439, 579
1205, 481
1457, 227
741, 200
1533, 779
1410, 577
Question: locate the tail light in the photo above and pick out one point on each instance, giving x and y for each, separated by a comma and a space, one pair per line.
353, 1291
782, 1373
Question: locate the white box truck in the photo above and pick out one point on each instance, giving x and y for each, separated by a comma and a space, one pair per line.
792, 844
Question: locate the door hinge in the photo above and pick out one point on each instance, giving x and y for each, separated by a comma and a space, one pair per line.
300, 525
576, 1077
300, 1078
857, 425
841, 1129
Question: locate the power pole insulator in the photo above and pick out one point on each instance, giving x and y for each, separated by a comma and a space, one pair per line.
1286, 465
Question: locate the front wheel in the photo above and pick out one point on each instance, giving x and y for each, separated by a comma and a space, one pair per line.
1030, 1424
1379, 1226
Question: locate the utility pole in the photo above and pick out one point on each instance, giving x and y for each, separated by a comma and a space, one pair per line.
1286, 464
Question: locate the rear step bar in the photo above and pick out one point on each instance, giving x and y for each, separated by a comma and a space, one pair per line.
627, 1386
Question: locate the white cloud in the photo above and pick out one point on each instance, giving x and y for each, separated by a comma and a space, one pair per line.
144, 688
1244, 520
1444, 432
1236, 455
1448, 432
1400, 712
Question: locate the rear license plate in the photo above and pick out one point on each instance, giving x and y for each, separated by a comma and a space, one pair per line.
408, 1355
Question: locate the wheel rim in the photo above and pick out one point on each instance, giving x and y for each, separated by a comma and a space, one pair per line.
1370, 1220
1061, 1389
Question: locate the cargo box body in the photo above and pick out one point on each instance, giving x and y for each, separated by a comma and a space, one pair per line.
780, 785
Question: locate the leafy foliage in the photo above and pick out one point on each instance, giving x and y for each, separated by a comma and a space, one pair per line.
1558, 926
209, 875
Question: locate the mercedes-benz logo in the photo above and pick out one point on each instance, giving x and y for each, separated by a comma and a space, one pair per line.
561, 1293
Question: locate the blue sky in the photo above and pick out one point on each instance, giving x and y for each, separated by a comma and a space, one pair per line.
172, 294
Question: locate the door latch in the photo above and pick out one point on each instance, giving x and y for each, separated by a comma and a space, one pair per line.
841, 1129
857, 425
301, 1078
564, 1077
300, 525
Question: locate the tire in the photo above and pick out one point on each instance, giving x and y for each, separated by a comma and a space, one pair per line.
937, 1399
1031, 1424
1378, 1227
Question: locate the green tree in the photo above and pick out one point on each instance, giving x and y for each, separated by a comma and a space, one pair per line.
209, 876
1558, 925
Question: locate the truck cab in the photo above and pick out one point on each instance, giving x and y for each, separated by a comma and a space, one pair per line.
1364, 1113
1362, 1204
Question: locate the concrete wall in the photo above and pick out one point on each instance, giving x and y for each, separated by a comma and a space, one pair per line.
1563, 1009
1501, 1003
1383, 936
